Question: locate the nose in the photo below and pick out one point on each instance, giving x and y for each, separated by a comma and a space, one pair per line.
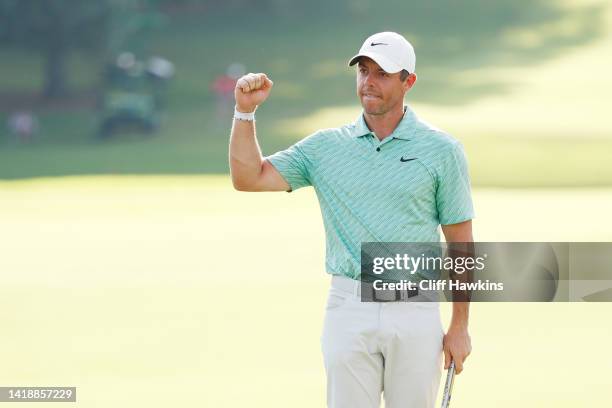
368, 80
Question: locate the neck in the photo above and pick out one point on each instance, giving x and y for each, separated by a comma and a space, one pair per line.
383, 125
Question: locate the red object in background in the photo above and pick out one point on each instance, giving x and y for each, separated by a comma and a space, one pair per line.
224, 85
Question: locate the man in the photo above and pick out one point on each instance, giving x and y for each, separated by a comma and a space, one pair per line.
388, 177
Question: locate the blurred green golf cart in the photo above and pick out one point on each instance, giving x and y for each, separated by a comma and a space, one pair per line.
134, 95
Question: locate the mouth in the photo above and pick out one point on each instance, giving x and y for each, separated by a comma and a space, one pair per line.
368, 95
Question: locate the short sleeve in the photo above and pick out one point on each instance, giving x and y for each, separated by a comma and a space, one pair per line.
453, 194
296, 163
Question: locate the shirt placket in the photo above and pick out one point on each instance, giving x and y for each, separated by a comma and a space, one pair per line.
380, 149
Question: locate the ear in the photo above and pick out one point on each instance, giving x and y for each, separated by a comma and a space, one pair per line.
410, 81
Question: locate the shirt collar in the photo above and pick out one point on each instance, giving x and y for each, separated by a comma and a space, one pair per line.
404, 130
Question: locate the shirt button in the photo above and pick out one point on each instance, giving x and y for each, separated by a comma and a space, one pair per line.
378, 149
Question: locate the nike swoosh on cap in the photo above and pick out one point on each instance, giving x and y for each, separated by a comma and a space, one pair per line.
375, 44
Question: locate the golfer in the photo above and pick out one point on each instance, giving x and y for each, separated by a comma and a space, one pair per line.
387, 177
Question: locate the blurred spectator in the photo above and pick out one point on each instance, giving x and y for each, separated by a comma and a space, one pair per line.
223, 87
23, 126
159, 70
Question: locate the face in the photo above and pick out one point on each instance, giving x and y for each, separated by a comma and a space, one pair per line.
379, 91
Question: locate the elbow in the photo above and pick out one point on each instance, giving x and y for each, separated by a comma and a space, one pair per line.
243, 181
237, 181
242, 188
240, 185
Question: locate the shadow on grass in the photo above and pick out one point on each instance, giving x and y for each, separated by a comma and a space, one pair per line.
450, 38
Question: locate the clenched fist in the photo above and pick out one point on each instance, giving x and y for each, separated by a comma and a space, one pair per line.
252, 90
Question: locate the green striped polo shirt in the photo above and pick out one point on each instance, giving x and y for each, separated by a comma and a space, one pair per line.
399, 189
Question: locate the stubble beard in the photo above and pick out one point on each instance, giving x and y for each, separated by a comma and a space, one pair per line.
377, 109
380, 109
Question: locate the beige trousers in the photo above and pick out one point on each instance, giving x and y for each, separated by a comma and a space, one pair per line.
369, 348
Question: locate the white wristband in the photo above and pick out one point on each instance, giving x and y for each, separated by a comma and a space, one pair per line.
249, 117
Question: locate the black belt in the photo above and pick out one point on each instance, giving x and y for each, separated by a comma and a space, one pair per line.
369, 294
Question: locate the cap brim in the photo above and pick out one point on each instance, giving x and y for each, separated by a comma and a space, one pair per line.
381, 60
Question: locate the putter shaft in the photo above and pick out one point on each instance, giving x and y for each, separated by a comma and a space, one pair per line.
448, 386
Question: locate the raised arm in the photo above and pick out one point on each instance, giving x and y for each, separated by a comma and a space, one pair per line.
250, 172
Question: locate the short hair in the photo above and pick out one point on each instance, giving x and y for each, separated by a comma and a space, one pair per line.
404, 74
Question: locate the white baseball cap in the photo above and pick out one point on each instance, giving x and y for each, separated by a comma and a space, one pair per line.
389, 50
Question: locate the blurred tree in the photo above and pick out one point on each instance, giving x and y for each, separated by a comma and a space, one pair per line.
56, 27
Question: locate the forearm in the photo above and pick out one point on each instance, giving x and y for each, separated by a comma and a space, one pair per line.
461, 311
245, 156
245, 159
461, 297
460, 243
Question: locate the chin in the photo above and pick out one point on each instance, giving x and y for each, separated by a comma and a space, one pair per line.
373, 108
370, 106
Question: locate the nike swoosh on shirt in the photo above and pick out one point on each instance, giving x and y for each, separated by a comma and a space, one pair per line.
407, 160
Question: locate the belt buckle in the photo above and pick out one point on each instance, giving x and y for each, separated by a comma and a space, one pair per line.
398, 296
411, 293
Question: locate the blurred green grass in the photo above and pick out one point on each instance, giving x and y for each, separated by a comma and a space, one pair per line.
306, 55
164, 291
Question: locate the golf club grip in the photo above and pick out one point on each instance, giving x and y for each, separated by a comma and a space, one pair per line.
448, 387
